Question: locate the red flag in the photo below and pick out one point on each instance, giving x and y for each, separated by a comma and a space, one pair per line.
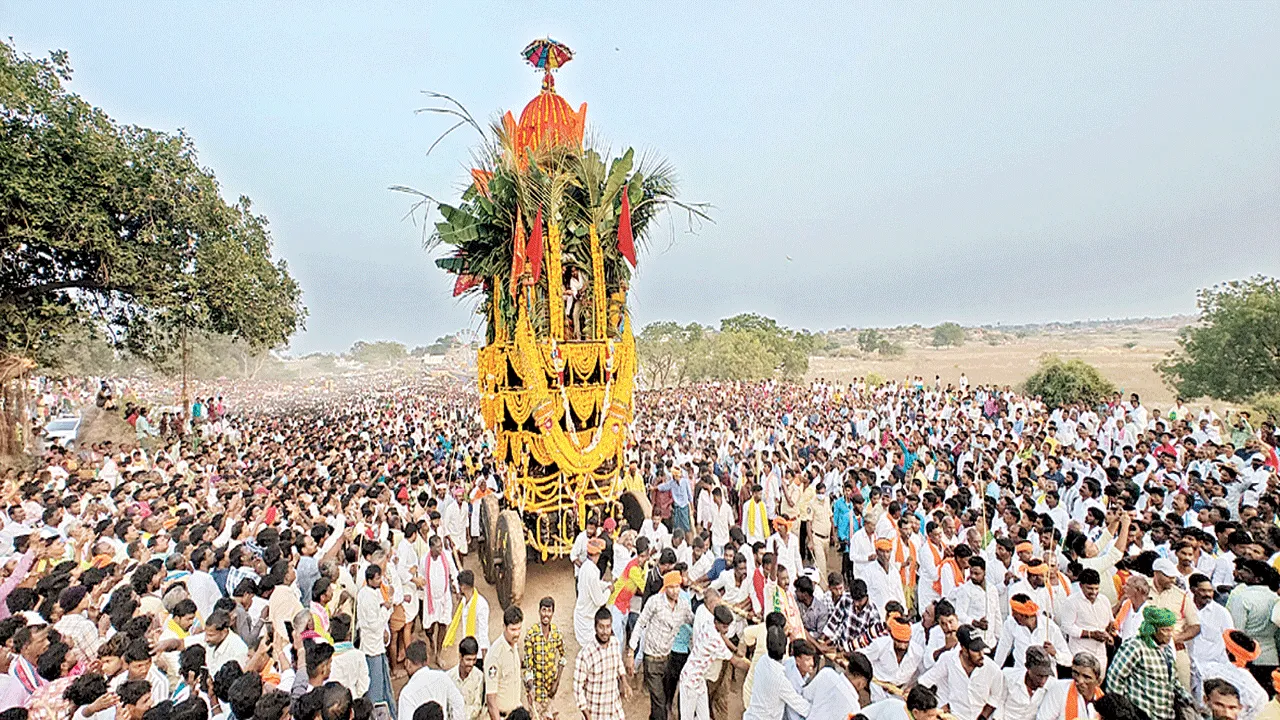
534, 251
517, 256
464, 283
626, 242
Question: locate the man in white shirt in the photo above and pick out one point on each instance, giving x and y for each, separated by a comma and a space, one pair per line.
1215, 620
427, 685
1241, 650
221, 644
373, 611
969, 686
1024, 688
771, 691
721, 520
977, 602
1086, 619
1027, 626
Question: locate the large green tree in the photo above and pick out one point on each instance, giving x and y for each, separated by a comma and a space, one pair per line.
1233, 352
120, 227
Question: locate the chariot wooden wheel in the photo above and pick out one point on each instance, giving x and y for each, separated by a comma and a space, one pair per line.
635, 508
489, 536
510, 556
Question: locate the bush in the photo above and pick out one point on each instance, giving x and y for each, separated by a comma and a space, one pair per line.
1266, 407
1060, 382
874, 379
892, 349
948, 334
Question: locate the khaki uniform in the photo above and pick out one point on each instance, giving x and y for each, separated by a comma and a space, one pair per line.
502, 676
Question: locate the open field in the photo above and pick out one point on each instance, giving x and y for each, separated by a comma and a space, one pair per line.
1126, 354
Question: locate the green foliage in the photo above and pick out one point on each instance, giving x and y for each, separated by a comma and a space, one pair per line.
870, 340
378, 353
1233, 353
1060, 382
948, 334
575, 189
1266, 407
747, 347
892, 349
119, 227
439, 346
875, 379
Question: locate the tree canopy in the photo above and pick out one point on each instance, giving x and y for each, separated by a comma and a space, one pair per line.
1233, 353
948, 334
119, 227
379, 352
746, 347
1065, 382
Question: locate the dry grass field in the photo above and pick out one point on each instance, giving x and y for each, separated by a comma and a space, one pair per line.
1125, 352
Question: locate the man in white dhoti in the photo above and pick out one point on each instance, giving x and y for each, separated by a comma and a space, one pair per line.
439, 578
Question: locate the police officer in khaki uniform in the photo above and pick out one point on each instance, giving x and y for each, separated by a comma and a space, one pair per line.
503, 683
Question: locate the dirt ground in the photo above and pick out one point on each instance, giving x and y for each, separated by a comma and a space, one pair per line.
555, 578
1126, 357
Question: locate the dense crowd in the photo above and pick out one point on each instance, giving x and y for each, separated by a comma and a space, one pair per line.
828, 551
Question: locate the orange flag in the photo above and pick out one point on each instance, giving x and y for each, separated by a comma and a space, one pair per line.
517, 256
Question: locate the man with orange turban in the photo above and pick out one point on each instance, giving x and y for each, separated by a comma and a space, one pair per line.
1027, 626
593, 593
658, 625
1242, 650
895, 657
884, 577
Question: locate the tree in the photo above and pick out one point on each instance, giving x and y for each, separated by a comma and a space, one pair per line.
1233, 353
378, 353
870, 340
747, 347
119, 227
1060, 382
948, 334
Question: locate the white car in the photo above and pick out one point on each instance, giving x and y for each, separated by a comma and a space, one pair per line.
63, 431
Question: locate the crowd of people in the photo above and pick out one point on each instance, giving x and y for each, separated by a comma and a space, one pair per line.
824, 551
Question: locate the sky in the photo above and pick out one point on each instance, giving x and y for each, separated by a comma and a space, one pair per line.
869, 164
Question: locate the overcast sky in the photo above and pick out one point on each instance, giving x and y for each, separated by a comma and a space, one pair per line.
869, 163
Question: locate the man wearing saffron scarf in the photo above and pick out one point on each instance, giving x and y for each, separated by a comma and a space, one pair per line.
1242, 650
1143, 668
1074, 699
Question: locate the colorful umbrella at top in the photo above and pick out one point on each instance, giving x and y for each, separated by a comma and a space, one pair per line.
547, 54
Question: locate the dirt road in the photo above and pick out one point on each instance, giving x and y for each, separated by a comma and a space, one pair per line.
556, 579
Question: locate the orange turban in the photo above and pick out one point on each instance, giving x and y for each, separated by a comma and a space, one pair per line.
898, 628
1024, 608
595, 546
780, 523
1024, 546
884, 544
672, 579
1038, 569
1239, 656
1275, 680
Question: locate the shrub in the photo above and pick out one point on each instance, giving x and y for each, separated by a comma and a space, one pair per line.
1062, 382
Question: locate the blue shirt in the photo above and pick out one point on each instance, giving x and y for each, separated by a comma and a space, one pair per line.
681, 490
841, 511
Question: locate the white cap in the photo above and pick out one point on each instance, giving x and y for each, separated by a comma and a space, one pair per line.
1165, 566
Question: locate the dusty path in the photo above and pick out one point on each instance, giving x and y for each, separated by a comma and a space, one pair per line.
555, 578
